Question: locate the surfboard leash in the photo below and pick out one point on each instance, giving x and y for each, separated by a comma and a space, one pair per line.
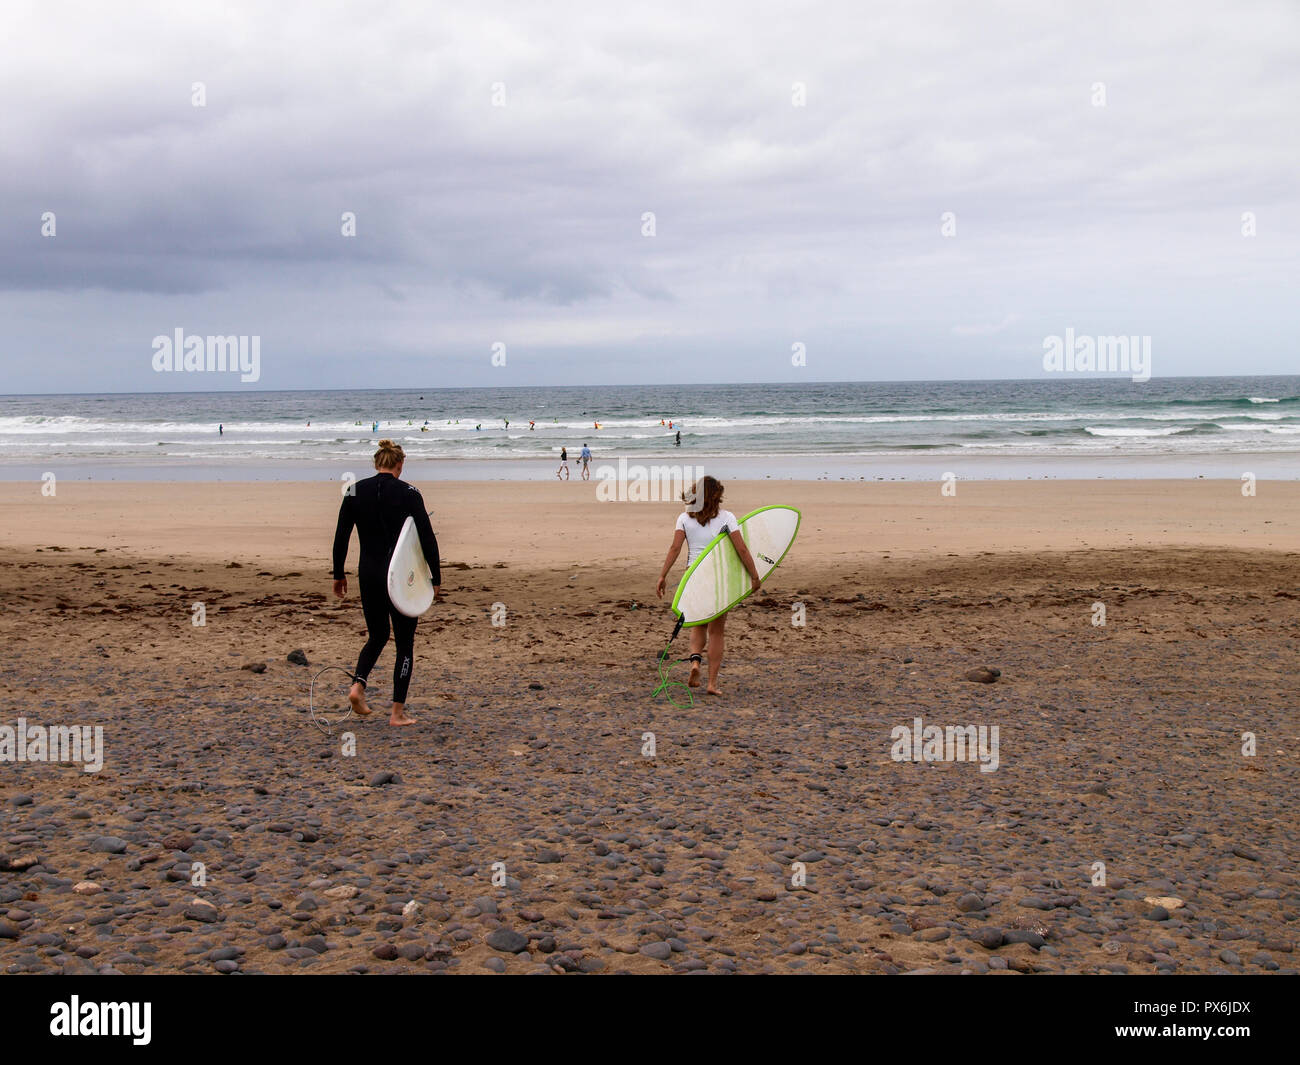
320, 720
665, 685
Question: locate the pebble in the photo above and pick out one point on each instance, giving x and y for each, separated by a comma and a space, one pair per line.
507, 941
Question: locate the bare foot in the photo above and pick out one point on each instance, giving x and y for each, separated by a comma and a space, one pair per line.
401, 719
357, 697
713, 690
694, 679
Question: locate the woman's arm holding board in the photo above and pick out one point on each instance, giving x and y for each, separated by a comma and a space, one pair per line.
742, 550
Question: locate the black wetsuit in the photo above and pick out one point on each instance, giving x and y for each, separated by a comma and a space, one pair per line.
378, 507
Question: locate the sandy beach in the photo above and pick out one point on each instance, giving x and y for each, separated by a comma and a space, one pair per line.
771, 830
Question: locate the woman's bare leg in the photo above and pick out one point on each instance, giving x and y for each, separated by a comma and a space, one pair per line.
717, 645
399, 715
697, 647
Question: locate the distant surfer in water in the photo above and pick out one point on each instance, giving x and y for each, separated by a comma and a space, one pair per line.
378, 507
697, 525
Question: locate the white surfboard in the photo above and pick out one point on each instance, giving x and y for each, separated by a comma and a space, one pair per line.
410, 583
717, 580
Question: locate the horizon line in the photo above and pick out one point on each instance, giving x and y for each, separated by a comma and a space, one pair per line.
1118, 377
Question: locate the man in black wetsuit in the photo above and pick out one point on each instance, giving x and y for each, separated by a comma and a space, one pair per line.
378, 507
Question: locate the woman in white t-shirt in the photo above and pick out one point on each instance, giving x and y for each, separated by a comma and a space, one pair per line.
697, 528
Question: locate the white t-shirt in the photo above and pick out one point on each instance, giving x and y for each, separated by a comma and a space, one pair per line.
698, 536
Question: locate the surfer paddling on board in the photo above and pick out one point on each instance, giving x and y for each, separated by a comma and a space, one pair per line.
378, 507
696, 527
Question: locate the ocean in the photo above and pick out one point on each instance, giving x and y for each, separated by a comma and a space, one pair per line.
1209, 426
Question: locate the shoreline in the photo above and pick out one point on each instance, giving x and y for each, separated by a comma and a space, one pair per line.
1266, 465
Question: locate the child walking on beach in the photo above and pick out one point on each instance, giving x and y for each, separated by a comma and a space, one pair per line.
697, 525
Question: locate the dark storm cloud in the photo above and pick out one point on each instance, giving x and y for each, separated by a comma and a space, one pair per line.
774, 223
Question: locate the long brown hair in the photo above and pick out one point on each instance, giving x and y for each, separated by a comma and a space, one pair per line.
712, 489
389, 456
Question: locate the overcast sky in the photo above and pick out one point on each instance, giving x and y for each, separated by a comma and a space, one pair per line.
775, 224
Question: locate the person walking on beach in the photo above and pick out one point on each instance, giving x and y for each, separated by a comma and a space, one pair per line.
378, 507
564, 464
585, 455
696, 526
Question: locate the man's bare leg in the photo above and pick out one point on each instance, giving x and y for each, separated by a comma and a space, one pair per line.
399, 715
357, 697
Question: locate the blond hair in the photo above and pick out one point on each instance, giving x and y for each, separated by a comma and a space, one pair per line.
389, 456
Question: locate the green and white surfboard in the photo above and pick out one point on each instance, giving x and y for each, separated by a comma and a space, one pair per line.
716, 581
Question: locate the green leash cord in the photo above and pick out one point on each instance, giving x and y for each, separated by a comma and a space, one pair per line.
665, 685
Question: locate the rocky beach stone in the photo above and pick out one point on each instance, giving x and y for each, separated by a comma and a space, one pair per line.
202, 910
507, 941
912, 868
